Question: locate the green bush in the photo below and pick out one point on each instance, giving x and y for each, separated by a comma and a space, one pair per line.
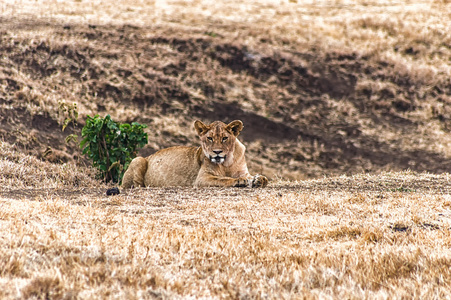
111, 146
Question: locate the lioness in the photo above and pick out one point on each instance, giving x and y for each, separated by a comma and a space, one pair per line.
218, 162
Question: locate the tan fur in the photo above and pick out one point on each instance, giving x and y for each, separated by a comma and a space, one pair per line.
219, 161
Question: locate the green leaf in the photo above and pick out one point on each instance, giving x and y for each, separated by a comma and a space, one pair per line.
71, 137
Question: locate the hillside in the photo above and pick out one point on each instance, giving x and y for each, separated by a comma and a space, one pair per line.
322, 89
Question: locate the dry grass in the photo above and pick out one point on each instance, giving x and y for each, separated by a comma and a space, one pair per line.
365, 236
323, 87
20, 171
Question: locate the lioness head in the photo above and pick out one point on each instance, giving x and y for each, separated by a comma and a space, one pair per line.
218, 140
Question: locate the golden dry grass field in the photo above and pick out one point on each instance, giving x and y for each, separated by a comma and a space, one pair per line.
346, 107
361, 236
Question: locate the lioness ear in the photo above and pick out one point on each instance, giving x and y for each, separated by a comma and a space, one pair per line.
236, 127
200, 127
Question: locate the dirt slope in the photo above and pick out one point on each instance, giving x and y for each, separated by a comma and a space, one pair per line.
307, 113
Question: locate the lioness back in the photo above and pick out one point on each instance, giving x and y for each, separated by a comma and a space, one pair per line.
174, 166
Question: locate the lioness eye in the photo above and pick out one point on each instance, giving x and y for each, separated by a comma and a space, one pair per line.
224, 139
210, 139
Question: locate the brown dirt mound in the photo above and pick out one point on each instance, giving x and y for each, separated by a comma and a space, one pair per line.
306, 113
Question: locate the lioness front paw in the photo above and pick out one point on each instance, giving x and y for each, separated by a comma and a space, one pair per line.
242, 182
259, 181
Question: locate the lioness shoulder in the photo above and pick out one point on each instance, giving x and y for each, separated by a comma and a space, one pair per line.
219, 161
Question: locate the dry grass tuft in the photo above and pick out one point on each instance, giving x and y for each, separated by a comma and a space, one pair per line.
20, 171
46, 288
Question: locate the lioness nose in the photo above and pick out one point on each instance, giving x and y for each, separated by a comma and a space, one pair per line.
217, 151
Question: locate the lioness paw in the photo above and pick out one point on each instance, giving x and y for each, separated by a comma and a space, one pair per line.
259, 181
242, 182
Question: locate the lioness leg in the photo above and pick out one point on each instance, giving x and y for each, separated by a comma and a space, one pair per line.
251, 181
134, 176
